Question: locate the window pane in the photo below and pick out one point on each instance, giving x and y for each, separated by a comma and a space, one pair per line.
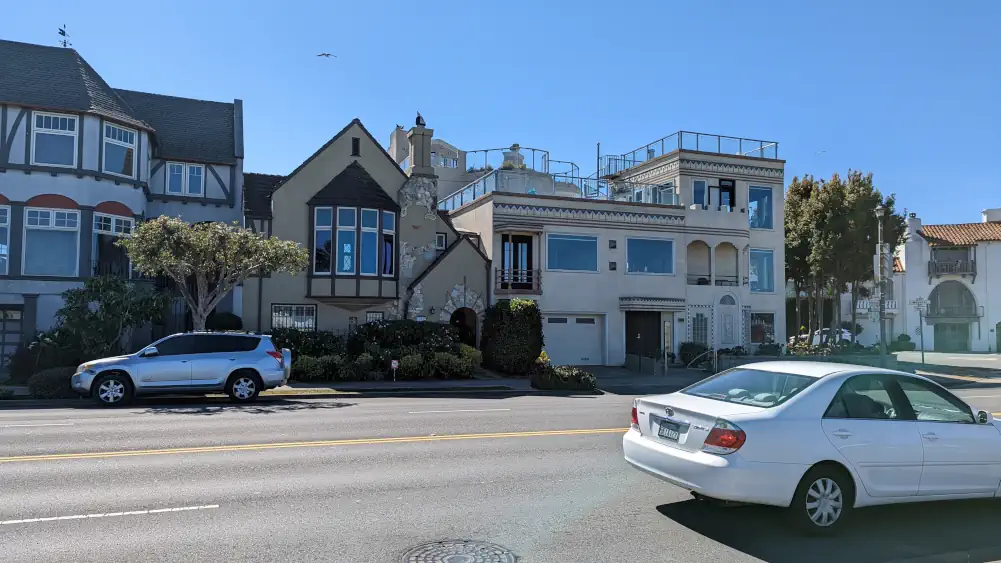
934, 407
321, 252
760, 204
195, 174
346, 217
762, 271
369, 219
346, 252
324, 216
4, 216
177, 346
175, 178
647, 256
863, 397
118, 159
58, 150
374, 316
370, 252
751, 387
388, 254
699, 192
4, 249
388, 221
50, 253
571, 252
762, 328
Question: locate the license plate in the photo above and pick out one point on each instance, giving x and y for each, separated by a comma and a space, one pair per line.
669, 431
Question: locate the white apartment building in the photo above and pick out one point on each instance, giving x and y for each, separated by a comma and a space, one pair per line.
680, 240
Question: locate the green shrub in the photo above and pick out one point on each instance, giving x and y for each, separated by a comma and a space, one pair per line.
904, 337
223, 321
415, 366
472, 354
688, 351
563, 378
55, 348
6, 393
450, 366
349, 372
900, 345
52, 383
308, 342
512, 336
322, 368
770, 349
427, 336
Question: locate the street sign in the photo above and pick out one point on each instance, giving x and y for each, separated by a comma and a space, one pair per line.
395, 364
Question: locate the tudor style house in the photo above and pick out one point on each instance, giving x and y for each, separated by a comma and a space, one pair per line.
375, 239
81, 162
680, 240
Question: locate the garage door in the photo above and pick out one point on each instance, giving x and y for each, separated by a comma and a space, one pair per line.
574, 340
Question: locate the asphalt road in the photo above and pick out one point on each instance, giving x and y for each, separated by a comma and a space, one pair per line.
367, 479
958, 359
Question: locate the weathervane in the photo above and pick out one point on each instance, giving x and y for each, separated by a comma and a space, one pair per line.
65, 41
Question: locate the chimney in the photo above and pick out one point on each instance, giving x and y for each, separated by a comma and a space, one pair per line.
419, 137
399, 147
913, 225
991, 215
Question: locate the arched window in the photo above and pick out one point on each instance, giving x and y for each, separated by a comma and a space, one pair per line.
727, 300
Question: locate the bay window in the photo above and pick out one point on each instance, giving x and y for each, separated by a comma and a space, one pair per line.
347, 225
185, 179
119, 151
762, 271
349, 241
53, 140
108, 258
322, 227
51, 242
4, 239
388, 243
369, 262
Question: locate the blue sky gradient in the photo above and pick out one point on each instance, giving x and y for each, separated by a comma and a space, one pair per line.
910, 91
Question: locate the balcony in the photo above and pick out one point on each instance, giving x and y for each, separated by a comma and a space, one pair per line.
721, 281
970, 312
865, 305
518, 282
959, 267
611, 165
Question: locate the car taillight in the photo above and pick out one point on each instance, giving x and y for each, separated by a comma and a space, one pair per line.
634, 422
725, 438
276, 355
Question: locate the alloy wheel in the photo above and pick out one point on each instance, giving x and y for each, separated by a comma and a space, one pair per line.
244, 388
111, 391
824, 502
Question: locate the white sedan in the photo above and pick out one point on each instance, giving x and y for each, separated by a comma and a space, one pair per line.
819, 438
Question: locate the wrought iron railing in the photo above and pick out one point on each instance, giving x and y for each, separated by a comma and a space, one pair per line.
687, 140
727, 281
699, 279
518, 281
959, 311
942, 267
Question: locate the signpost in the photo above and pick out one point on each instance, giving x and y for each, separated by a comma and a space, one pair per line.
921, 304
395, 364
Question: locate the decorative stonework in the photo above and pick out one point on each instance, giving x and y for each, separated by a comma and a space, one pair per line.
605, 216
731, 169
415, 306
422, 191
708, 313
746, 317
408, 257
393, 310
461, 296
674, 304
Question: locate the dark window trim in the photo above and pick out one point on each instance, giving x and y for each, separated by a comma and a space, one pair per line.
355, 146
316, 313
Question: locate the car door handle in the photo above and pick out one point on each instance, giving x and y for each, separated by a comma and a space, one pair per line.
842, 433
184, 361
931, 436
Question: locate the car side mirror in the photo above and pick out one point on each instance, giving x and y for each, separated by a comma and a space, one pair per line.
984, 417
150, 352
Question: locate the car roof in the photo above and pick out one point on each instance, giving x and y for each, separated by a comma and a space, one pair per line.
815, 369
223, 333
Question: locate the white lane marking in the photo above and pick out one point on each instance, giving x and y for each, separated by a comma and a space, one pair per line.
38, 424
458, 410
980, 396
108, 514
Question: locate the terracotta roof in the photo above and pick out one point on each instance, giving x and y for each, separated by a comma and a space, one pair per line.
898, 266
961, 234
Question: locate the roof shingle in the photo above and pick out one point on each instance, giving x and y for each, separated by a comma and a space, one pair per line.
257, 190
187, 129
961, 234
58, 78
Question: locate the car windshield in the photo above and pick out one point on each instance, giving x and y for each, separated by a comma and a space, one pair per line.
751, 387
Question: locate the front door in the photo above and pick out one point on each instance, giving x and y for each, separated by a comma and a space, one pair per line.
728, 322
961, 457
867, 423
643, 334
171, 367
516, 262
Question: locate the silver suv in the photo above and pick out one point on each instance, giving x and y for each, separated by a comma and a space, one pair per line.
239, 364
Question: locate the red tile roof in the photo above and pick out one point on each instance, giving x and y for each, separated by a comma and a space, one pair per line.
961, 234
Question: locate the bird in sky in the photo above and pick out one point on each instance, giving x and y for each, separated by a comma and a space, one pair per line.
819, 152
328, 55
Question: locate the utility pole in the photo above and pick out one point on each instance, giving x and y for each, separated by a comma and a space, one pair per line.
881, 284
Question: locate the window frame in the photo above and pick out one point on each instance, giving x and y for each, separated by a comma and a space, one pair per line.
75, 134
657, 239
771, 210
186, 169
440, 241
134, 146
360, 244
5, 224
370, 319
391, 259
705, 194
355, 146
597, 261
306, 307
750, 260
51, 227
337, 229
329, 228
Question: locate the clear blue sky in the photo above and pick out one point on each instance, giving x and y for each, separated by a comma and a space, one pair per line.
910, 91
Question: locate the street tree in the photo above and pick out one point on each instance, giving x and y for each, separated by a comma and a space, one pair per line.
207, 260
797, 241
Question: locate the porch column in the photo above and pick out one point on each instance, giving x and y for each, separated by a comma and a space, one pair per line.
712, 265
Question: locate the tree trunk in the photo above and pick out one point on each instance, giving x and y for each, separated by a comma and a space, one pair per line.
799, 309
854, 311
198, 320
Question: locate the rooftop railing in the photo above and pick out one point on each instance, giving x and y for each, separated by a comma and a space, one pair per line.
610, 165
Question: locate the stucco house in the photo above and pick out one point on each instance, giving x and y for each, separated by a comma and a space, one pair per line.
379, 248
81, 162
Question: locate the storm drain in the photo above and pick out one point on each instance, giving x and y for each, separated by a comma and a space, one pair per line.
460, 551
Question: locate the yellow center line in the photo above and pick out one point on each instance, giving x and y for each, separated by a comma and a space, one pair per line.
313, 444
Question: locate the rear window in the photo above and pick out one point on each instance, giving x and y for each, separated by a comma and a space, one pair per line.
751, 387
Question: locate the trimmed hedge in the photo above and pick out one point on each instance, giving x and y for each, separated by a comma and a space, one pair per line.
429, 336
512, 336
563, 378
52, 383
309, 342
223, 321
688, 351
474, 356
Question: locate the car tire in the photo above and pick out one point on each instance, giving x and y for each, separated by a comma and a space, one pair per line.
823, 501
244, 387
112, 390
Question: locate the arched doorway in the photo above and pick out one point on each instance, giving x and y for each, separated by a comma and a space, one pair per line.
727, 321
464, 321
951, 309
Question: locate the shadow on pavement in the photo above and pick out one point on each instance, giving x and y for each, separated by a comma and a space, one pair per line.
261, 407
964, 531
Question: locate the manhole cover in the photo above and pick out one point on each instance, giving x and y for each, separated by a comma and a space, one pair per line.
459, 551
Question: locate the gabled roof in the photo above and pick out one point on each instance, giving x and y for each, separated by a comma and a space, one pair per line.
187, 129
354, 186
961, 234
257, 190
57, 78
444, 255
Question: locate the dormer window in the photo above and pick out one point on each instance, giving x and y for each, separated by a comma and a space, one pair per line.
119, 151
185, 179
53, 140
